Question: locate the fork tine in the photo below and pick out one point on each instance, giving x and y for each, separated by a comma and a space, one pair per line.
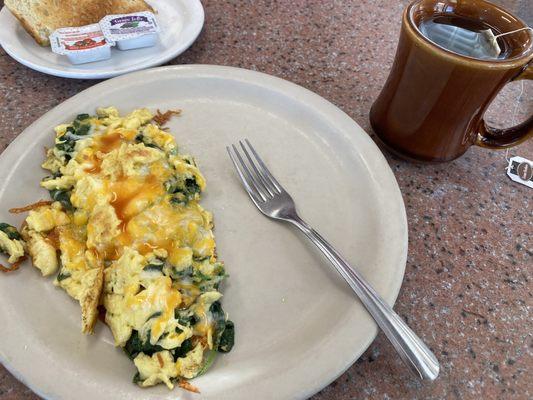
264, 183
256, 196
266, 172
251, 179
245, 176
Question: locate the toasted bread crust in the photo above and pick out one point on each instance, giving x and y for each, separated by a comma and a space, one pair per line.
30, 29
89, 303
40, 18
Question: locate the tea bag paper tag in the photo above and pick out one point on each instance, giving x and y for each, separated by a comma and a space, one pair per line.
520, 170
489, 43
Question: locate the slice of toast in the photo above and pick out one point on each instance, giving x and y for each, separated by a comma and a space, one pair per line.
41, 17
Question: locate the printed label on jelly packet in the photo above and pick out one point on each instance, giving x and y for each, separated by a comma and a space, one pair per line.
119, 27
70, 39
128, 20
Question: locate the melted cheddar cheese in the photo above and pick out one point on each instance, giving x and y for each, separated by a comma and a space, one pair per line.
126, 231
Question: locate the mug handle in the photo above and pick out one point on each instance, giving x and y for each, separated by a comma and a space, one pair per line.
494, 138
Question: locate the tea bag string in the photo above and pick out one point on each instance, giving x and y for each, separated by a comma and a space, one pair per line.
515, 113
511, 32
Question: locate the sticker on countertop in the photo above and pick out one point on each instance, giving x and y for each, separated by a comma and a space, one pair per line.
520, 170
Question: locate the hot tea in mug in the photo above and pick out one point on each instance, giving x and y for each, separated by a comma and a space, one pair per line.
453, 58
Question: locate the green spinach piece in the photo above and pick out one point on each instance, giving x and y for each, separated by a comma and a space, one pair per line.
207, 283
227, 339
224, 335
180, 352
67, 142
135, 345
182, 191
185, 320
142, 139
186, 273
63, 275
191, 186
137, 378
83, 129
155, 265
154, 315
66, 146
81, 117
209, 358
80, 127
63, 196
10, 231
218, 317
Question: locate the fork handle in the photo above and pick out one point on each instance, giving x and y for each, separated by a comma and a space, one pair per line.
409, 346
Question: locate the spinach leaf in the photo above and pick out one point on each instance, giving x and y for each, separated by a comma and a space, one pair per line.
63, 196
66, 146
67, 142
137, 378
81, 117
207, 283
186, 273
183, 319
182, 191
63, 275
209, 358
146, 141
191, 186
199, 276
80, 127
154, 315
219, 321
155, 265
224, 334
83, 130
135, 345
227, 340
182, 351
10, 231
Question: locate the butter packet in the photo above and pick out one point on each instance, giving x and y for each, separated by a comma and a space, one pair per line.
81, 44
131, 31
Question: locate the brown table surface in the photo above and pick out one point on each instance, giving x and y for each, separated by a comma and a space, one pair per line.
467, 288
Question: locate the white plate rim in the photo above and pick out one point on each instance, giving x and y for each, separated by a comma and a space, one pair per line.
266, 81
196, 24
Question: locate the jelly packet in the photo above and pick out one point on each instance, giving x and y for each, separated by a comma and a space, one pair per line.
81, 44
131, 31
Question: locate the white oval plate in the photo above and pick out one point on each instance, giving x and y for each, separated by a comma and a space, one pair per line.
180, 20
298, 325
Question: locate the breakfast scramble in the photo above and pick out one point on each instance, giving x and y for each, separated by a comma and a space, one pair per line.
124, 233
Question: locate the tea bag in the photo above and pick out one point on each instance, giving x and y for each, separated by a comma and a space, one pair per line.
489, 41
478, 44
461, 41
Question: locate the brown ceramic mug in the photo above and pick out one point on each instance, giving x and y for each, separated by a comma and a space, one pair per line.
431, 107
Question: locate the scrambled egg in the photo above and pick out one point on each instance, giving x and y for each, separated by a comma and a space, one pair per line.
11, 243
125, 231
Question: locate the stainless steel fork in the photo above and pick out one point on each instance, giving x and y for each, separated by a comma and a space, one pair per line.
274, 201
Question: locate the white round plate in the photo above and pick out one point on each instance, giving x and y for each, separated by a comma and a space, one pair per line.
298, 325
180, 20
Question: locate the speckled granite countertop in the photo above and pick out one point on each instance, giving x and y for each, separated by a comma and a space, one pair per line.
467, 288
